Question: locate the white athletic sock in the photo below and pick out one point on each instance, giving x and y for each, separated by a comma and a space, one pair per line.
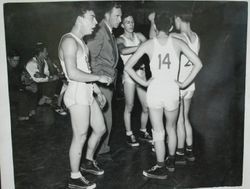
75, 175
129, 133
143, 130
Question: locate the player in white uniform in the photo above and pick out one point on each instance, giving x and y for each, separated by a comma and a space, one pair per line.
128, 43
84, 110
184, 128
163, 89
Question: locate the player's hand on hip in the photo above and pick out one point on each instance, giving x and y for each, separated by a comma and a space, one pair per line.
180, 84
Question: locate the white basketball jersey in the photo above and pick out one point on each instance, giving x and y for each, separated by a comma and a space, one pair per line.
129, 43
164, 64
82, 57
186, 64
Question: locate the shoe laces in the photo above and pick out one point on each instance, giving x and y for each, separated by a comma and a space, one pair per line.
95, 165
83, 179
154, 168
146, 134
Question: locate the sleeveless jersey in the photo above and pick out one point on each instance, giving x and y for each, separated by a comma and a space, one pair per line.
129, 43
163, 92
82, 57
186, 65
78, 92
164, 64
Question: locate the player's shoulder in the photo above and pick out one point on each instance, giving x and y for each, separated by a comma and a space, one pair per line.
197, 36
67, 38
148, 43
68, 41
120, 39
178, 36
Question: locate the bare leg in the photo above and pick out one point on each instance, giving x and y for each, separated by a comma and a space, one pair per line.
158, 171
188, 126
129, 91
144, 115
171, 117
181, 134
80, 124
158, 127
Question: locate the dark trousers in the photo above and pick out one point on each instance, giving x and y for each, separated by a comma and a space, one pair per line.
48, 88
107, 113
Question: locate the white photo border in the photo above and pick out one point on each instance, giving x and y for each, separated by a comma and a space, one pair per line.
6, 159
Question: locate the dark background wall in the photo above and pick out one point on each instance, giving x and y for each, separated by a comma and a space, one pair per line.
218, 106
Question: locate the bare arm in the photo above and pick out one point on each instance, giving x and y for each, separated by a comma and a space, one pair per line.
179, 36
197, 64
69, 48
129, 50
141, 37
144, 48
123, 49
153, 30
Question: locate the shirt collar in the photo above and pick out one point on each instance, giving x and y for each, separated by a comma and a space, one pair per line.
110, 29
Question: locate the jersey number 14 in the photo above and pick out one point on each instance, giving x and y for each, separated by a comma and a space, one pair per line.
165, 60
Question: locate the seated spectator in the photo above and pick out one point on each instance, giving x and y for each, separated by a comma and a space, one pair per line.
38, 69
22, 93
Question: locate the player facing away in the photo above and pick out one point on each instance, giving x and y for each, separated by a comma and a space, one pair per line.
78, 98
163, 90
128, 43
184, 128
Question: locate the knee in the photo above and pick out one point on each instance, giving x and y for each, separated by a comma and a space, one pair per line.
81, 137
100, 131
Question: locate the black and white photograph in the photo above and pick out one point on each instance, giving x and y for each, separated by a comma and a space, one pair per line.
124, 94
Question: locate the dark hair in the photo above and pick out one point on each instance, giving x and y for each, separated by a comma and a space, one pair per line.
110, 5
39, 47
83, 7
12, 53
164, 21
126, 14
184, 15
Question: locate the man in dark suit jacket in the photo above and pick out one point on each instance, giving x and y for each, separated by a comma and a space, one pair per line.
104, 57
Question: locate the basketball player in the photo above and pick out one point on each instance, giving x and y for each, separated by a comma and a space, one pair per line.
128, 43
163, 89
184, 127
78, 98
